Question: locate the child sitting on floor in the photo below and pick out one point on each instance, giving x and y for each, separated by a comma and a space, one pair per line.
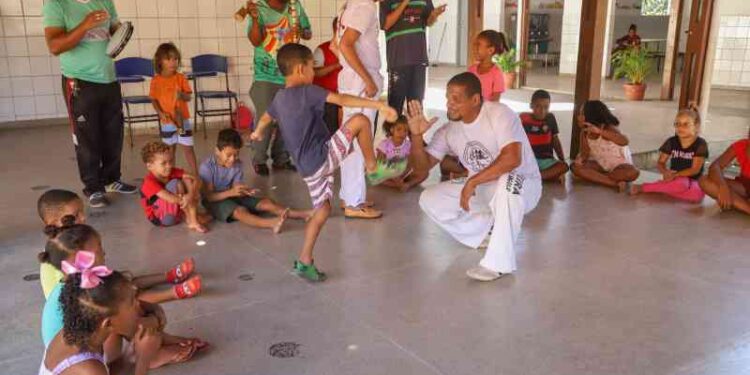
170, 93
541, 128
730, 193
604, 157
395, 148
100, 320
228, 198
168, 194
298, 108
58, 208
686, 152
77, 249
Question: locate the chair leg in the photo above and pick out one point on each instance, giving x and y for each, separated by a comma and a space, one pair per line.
231, 117
203, 119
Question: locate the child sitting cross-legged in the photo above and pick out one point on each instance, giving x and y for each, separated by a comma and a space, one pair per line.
395, 148
60, 208
298, 108
686, 153
730, 193
541, 128
228, 198
168, 194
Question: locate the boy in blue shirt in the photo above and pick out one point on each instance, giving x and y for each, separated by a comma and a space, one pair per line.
299, 108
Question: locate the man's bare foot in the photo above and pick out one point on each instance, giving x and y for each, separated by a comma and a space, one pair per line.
170, 354
635, 189
622, 187
280, 224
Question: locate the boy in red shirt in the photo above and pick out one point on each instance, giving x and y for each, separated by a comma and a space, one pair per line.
168, 194
327, 68
541, 128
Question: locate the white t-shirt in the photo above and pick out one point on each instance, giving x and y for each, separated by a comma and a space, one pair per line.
478, 144
362, 15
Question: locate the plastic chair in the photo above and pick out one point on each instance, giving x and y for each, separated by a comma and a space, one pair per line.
211, 66
135, 70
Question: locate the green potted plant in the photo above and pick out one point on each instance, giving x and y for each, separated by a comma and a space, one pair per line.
635, 65
507, 62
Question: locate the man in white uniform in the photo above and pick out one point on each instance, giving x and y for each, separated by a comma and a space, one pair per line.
360, 76
504, 182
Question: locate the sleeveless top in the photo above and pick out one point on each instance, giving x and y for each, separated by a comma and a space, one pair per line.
70, 362
608, 154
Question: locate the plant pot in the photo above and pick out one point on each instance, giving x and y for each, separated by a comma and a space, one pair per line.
634, 92
510, 79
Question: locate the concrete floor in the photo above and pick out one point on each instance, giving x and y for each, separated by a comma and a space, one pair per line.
607, 284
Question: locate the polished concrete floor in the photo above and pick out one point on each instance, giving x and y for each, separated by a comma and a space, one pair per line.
607, 284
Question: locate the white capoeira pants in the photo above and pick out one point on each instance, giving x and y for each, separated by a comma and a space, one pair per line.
502, 204
353, 185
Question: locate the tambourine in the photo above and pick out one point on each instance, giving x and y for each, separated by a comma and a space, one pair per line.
120, 39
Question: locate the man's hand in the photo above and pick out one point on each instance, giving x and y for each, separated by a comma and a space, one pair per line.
466, 193
94, 19
371, 89
725, 197
390, 114
252, 9
418, 123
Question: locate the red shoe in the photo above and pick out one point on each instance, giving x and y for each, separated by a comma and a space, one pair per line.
181, 271
189, 288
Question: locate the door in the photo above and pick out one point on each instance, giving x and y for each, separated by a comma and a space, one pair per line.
694, 63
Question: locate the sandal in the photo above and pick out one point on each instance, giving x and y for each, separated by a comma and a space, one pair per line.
308, 272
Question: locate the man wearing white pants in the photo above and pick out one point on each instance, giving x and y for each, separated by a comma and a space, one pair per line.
504, 183
360, 76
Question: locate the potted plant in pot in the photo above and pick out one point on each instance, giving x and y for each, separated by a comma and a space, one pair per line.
635, 65
506, 61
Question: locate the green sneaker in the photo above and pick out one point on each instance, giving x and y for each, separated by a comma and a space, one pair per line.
308, 272
386, 171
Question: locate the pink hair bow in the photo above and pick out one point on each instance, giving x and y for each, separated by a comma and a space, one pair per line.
90, 276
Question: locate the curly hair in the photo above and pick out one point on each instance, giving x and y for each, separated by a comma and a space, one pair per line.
229, 138
65, 241
84, 309
52, 202
166, 50
151, 149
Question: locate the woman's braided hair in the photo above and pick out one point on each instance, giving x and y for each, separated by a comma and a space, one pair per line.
85, 309
65, 241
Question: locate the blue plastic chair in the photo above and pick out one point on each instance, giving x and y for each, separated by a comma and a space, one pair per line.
211, 66
135, 70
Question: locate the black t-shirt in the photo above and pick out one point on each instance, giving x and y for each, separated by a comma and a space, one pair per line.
682, 158
540, 133
406, 43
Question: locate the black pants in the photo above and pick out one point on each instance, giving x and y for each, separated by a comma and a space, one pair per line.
95, 111
405, 83
331, 117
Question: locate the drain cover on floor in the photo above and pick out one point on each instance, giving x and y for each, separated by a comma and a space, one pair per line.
40, 187
284, 350
31, 277
246, 276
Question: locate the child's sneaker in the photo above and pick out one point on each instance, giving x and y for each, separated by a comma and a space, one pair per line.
189, 288
308, 271
386, 171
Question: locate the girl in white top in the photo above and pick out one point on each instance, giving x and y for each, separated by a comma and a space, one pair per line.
604, 157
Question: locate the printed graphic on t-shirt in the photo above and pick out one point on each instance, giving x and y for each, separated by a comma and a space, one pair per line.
477, 156
514, 185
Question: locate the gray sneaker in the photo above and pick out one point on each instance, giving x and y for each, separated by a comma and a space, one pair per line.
480, 273
98, 200
120, 187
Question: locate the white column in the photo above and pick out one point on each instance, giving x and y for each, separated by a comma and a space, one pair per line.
571, 25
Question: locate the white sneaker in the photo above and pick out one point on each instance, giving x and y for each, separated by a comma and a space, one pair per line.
480, 273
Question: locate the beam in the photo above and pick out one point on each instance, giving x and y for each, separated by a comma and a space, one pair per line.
590, 58
673, 47
476, 22
523, 39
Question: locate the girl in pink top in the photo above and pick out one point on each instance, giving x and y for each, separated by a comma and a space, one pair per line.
486, 45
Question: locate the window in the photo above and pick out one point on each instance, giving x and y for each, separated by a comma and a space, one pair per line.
655, 8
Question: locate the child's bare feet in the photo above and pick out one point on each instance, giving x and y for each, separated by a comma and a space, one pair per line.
622, 187
174, 353
562, 179
204, 218
189, 288
280, 224
198, 227
181, 272
301, 214
635, 189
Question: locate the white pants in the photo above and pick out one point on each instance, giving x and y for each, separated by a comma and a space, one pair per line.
503, 203
353, 186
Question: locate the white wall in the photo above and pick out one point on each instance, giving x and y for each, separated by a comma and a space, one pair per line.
731, 55
446, 25
30, 76
571, 22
